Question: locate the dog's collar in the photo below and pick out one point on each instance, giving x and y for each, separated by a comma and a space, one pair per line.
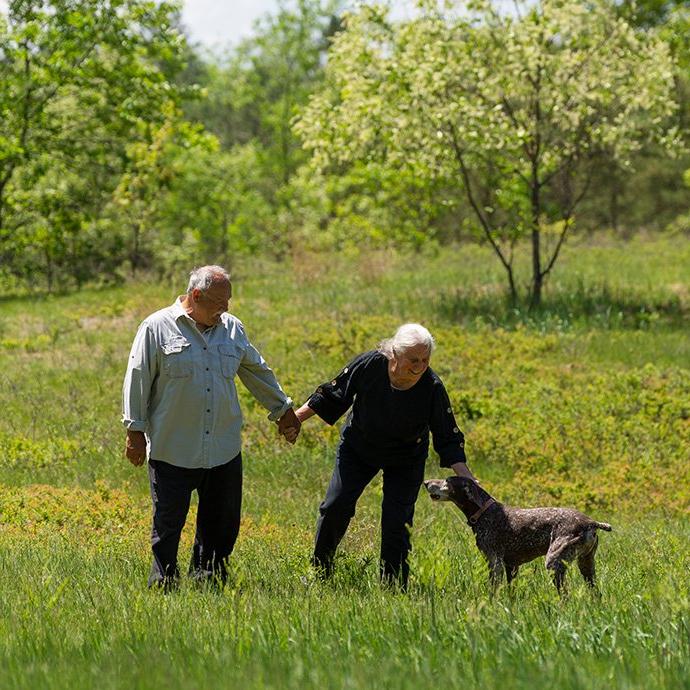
474, 518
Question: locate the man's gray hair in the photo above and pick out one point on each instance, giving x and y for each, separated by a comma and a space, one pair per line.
407, 336
203, 277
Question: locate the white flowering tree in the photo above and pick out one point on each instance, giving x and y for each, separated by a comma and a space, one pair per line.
515, 106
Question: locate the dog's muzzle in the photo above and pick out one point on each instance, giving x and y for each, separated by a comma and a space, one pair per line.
437, 489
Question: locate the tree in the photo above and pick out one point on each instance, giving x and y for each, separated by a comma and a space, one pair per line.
254, 96
215, 203
651, 195
80, 80
517, 108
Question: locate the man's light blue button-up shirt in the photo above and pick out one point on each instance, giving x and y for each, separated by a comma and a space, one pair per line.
180, 387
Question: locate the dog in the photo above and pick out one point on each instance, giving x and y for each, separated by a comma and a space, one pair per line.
509, 537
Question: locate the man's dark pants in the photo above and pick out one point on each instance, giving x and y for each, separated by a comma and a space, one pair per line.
401, 484
217, 523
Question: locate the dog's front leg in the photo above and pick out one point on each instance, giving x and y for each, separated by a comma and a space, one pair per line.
496, 570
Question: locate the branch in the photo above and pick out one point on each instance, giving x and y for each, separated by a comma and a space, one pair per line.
566, 219
468, 187
563, 85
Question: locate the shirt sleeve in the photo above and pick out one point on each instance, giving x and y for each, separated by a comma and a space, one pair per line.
332, 399
448, 440
141, 372
261, 382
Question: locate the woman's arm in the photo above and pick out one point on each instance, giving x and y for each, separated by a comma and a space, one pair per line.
332, 399
304, 413
449, 441
462, 470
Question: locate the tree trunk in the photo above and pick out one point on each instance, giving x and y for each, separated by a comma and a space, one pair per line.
511, 285
134, 258
537, 275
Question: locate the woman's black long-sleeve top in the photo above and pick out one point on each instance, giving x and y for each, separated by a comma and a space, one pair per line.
388, 426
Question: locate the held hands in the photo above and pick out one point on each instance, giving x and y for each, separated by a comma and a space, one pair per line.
135, 447
289, 426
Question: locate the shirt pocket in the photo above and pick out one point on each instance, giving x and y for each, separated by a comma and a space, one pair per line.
177, 361
229, 360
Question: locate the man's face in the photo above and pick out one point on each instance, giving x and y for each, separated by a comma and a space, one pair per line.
211, 304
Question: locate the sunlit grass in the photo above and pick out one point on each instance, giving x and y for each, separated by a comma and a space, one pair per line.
73, 615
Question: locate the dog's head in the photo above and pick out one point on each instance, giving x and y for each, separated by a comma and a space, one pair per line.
464, 492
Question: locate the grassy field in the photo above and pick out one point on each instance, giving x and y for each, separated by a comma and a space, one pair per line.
583, 403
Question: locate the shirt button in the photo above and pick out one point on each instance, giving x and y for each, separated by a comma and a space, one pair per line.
205, 348
206, 368
208, 410
455, 430
345, 370
419, 440
207, 432
449, 410
208, 390
333, 382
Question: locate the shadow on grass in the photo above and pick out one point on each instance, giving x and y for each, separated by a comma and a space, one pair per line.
563, 309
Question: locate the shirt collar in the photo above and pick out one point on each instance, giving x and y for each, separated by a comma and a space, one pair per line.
178, 310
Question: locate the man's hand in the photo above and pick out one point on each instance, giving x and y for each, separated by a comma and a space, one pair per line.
135, 447
289, 426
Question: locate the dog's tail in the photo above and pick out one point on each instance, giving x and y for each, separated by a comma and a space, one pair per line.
602, 525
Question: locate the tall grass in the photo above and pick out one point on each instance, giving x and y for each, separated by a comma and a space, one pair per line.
76, 616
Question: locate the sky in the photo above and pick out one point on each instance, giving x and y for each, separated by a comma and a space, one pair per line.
217, 24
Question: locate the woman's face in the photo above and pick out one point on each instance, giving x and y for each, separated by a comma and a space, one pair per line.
407, 366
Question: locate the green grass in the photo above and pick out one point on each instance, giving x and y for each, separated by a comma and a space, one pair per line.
76, 616
584, 402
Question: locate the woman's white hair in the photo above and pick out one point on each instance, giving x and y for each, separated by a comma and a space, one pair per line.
407, 336
203, 277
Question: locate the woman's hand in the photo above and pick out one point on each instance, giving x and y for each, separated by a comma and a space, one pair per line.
462, 470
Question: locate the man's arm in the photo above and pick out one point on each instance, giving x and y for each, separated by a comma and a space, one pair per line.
136, 390
261, 382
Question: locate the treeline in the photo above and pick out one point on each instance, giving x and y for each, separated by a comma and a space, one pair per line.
126, 149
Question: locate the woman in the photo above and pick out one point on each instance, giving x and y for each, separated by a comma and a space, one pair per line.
396, 401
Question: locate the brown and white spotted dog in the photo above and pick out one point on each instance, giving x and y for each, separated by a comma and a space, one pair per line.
509, 537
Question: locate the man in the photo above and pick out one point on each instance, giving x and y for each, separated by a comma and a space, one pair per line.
180, 407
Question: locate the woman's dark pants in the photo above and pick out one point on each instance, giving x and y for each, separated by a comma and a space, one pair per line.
217, 522
400, 489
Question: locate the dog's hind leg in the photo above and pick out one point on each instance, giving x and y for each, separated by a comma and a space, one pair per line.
562, 550
557, 568
585, 562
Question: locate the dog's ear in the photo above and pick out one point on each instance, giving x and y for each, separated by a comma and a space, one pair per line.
470, 489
